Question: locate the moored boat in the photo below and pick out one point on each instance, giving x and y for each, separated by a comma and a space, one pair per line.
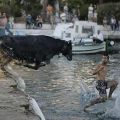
81, 34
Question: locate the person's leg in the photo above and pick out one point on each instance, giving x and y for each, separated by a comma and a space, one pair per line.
101, 87
97, 40
112, 85
95, 101
41, 24
112, 27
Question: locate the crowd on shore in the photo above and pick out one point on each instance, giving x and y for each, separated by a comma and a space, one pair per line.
63, 16
110, 20
113, 22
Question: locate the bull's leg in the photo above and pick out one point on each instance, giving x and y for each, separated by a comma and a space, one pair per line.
38, 60
48, 57
35, 67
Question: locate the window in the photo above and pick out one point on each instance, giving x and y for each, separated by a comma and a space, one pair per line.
76, 29
88, 29
68, 35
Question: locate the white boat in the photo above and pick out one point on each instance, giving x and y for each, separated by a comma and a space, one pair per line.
81, 34
88, 48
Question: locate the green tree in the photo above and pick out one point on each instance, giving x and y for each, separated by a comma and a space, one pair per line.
32, 6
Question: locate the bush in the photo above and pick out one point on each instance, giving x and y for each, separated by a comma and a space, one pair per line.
33, 9
4, 8
84, 12
10, 10
16, 12
108, 10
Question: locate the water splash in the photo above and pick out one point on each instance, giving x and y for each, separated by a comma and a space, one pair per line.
115, 111
86, 94
34, 105
21, 86
19, 80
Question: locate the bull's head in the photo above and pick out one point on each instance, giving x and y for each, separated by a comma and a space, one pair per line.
67, 50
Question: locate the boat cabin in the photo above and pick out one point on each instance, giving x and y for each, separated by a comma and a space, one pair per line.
78, 30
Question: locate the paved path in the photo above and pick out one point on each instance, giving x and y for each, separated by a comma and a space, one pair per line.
20, 29
47, 30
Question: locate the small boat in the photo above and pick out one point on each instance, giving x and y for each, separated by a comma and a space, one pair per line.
87, 48
81, 34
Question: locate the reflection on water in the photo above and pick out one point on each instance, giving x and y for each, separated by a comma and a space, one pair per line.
57, 86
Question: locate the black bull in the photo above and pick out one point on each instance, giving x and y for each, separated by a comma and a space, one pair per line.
35, 49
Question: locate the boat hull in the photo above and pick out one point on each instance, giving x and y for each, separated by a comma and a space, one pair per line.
88, 49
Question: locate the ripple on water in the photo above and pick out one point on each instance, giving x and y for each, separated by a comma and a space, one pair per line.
56, 87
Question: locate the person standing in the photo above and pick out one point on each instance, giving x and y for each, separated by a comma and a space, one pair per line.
90, 12
113, 22
39, 21
75, 18
102, 84
105, 22
50, 11
63, 17
95, 13
11, 22
29, 21
95, 16
3, 23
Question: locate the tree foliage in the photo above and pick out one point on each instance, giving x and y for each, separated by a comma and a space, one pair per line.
105, 10
34, 7
14, 7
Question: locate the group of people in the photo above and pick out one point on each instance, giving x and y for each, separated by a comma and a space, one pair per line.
3, 19
92, 13
113, 22
31, 23
6, 23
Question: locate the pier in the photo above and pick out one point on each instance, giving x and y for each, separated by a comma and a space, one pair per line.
107, 32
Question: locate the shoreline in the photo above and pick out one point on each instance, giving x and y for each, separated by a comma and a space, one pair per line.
10, 101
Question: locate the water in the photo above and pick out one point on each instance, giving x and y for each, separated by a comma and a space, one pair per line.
62, 87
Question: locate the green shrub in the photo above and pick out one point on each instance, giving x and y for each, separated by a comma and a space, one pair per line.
34, 9
10, 10
84, 11
16, 12
108, 10
5, 8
